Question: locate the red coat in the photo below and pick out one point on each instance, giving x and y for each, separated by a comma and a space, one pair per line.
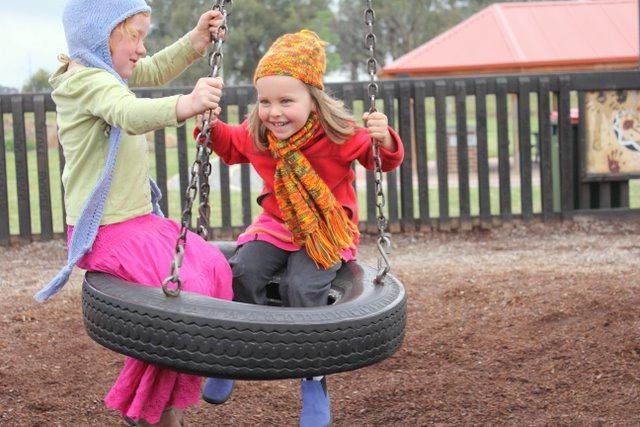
331, 161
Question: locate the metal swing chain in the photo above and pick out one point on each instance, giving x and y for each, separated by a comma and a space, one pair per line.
384, 239
200, 169
204, 152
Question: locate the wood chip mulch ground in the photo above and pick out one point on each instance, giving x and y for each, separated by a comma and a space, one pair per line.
535, 324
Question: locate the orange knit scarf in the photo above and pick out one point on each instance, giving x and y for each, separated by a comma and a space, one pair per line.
309, 209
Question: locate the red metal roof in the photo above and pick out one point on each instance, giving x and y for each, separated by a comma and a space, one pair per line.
534, 35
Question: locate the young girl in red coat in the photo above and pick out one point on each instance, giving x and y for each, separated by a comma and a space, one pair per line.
302, 143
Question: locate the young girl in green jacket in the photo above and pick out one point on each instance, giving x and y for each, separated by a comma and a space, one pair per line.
115, 225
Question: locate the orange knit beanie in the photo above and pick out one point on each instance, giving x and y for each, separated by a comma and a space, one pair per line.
300, 55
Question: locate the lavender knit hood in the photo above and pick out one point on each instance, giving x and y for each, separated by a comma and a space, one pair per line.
87, 26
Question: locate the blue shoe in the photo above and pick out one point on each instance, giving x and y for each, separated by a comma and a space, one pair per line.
217, 390
316, 406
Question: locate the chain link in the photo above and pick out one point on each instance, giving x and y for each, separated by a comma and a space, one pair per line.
384, 239
201, 167
372, 63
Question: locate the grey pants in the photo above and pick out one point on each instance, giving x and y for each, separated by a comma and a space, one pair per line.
302, 284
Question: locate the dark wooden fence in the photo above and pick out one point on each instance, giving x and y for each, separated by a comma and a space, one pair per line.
420, 110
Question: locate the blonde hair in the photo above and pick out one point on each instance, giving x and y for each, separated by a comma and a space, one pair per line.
336, 120
125, 27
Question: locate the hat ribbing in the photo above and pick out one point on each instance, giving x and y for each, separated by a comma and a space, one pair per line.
300, 55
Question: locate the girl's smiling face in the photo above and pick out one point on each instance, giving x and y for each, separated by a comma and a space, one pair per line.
127, 44
284, 104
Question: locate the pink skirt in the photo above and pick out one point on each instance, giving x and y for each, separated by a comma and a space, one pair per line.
140, 250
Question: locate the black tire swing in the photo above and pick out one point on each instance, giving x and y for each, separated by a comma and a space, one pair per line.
363, 323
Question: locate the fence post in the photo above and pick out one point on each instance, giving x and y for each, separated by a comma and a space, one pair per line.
565, 142
524, 140
245, 169
422, 160
406, 169
462, 155
504, 168
61, 163
544, 148
183, 164
444, 221
225, 190
389, 95
484, 188
4, 191
160, 148
42, 151
22, 168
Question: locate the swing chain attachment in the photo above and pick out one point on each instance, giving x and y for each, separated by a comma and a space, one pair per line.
200, 169
174, 276
384, 240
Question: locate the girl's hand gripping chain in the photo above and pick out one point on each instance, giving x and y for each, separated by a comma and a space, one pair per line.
378, 126
208, 90
204, 97
206, 30
211, 120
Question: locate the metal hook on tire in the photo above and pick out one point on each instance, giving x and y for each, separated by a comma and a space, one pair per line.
384, 265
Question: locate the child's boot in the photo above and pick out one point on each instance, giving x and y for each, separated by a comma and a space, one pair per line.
316, 407
217, 390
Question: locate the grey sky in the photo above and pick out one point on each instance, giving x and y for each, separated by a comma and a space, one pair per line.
31, 38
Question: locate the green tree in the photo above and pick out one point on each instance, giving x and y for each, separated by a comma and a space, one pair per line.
257, 23
406, 24
349, 28
253, 26
170, 20
401, 26
38, 82
323, 23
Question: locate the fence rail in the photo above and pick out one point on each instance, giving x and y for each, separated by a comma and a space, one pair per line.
489, 174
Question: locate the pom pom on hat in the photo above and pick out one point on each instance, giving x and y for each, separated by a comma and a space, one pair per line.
300, 55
